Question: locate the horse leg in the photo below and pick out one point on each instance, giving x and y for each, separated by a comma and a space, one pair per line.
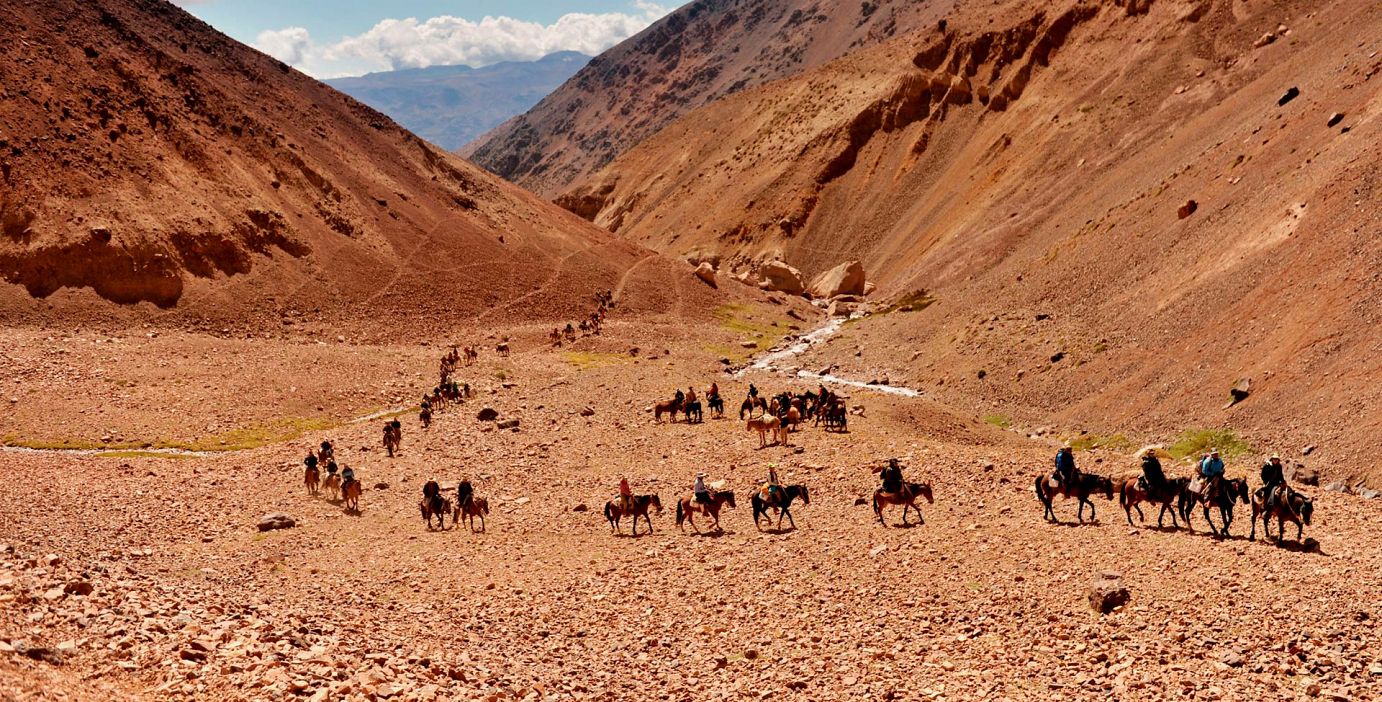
1252, 534
878, 510
647, 519
1300, 530
1212, 529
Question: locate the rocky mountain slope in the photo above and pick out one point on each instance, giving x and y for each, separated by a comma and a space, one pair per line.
691, 58
1123, 209
451, 106
151, 162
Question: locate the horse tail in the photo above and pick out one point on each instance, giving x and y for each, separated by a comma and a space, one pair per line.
681, 515
1040, 492
609, 513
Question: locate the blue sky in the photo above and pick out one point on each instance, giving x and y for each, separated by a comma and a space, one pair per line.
329, 38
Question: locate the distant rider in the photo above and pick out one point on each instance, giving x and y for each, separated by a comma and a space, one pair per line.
701, 492
464, 493
680, 398
1154, 479
625, 496
310, 461
1273, 477
892, 477
347, 477
1212, 470
772, 488
431, 493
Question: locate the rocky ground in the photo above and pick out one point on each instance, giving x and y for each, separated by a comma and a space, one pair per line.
130, 577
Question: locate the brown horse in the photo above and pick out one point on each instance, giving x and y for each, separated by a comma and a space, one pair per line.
502, 349
1081, 488
437, 507
351, 495
477, 507
907, 498
471, 355
1290, 506
752, 403
1131, 494
766, 425
639, 507
312, 479
391, 440
670, 406
790, 420
688, 505
332, 485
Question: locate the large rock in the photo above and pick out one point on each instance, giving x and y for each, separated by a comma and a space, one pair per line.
276, 520
781, 277
1107, 593
487, 414
706, 273
1305, 476
844, 279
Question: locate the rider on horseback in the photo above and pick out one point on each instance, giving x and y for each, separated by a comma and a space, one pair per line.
1273, 481
1212, 470
892, 477
347, 477
1153, 478
690, 395
464, 493
331, 466
714, 391
772, 488
310, 461
679, 399
327, 452
701, 492
625, 496
753, 391
1065, 465
431, 492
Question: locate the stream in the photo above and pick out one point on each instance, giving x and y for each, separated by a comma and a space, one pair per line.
772, 360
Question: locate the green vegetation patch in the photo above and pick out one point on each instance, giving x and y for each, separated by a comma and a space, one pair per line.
998, 420
1116, 442
1194, 442
739, 319
585, 360
135, 453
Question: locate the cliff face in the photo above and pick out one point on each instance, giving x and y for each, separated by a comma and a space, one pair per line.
149, 159
1183, 192
702, 52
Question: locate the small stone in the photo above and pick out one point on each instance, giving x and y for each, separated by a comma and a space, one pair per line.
1307, 450
487, 414
1334, 119
878, 550
587, 411
580, 508
79, 587
751, 654
1187, 209
1288, 96
508, 424
1107, 593
1264, 40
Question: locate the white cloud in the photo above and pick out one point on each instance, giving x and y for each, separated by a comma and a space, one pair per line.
409, 43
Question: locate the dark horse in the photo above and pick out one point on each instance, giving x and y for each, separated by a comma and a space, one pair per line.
693, 408
752, 403
1083, 485
1229, 490
1290, 506
1132, 492
782, 502
688, 506
614, 512
716, 404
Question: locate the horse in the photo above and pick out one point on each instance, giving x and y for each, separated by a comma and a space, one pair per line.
1131, 494
332, 485
1230, 490
390, 440
764, 426
437, 506
502, 349
717, 405
351, 495
614, 511
670, 406
1081, 487
471, 355
835, 417
688, 505
782, 502
791, 418
694, 408
425, 416
1290, 506
312, 478
477, 507
907, 498
752, 403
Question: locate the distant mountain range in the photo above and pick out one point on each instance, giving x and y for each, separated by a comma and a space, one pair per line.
451, 106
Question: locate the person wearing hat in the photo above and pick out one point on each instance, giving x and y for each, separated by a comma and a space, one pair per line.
625, 496
1065, 465
701, 492
1212, 470
771, 487
1154, 479
1273, 477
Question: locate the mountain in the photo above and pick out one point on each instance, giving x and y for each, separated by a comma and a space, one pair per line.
147, 158
451, 106
698, 54
1123, 209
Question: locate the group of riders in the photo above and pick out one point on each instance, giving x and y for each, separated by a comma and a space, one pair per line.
447, 390
822, 405
1210, 469
589, 325
325, 457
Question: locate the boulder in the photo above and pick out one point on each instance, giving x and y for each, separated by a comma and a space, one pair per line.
1369, 493
1305, 476
869, 287
1108, 593
1187, 209
1334, 119
779, 277
1288, 96
1239, 392
508, 424
488, 414
276, 520
841, 309
580, 508
844, 279
706, 273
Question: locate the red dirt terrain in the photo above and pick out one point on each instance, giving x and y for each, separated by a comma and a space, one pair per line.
698, 54
152, 162
1123, 210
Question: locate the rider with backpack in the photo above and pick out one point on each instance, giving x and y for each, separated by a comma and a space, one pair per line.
1065, 465
892, 477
